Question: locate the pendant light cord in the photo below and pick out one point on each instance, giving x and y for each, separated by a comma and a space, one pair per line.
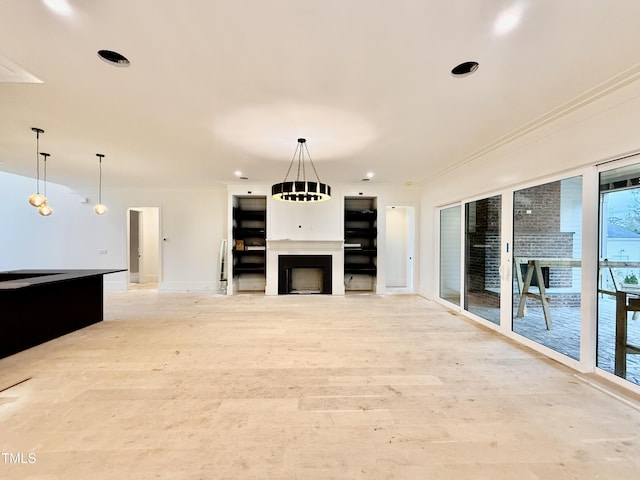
311, 162
100, 156
45, 155
38, 162
291, 165
301, 163
100, 184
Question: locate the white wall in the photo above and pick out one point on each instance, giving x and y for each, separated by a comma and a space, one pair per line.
70, 238
192, 226
601, 130
304, 221
192, 221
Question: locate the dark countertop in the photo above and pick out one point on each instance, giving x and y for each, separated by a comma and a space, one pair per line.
13, 279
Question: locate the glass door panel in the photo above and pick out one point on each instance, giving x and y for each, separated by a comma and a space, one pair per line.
619, 273
482, 258
450, 249
547, 253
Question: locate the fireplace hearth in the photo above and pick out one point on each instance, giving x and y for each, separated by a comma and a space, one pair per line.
292, 278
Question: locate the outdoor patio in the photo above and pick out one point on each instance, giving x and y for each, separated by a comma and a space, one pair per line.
564, 335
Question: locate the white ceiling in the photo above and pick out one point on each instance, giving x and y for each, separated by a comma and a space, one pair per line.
217, 86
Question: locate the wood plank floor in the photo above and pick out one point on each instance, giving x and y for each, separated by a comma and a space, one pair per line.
197, 386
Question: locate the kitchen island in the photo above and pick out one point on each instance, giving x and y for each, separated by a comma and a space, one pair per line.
39, 305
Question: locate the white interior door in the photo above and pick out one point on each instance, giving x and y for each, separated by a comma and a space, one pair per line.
135, 245
399, 248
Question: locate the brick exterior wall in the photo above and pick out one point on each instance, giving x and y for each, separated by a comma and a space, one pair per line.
537, 234
547, 245
543, 201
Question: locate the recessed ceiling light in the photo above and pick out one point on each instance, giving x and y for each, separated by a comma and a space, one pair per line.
507, 20
61, 7
369, 174
464, 69
113, 58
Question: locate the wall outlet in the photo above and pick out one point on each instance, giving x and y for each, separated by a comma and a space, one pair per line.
102, 251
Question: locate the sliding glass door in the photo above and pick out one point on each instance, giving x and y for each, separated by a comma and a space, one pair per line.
547, 260
545, 288
450, 250
482, 258
618, 349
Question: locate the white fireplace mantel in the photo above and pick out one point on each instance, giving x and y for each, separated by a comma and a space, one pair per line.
276, 247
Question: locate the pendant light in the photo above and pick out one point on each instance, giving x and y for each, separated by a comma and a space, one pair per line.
45, 210
301, 190
100, 209
37, 199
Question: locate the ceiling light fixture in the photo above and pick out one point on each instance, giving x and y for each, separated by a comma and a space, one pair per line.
100, 209
301, 190
45, 210
61, 7
36, 199
508, 20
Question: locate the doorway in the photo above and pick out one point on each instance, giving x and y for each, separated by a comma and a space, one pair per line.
143, 247
399, 248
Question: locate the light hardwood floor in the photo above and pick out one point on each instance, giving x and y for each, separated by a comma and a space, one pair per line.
197, 386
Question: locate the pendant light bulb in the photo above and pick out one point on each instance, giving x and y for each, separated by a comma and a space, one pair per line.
100, 209
45, 210
37, 199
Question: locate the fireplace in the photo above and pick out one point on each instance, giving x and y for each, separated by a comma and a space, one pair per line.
304, 274
311, 251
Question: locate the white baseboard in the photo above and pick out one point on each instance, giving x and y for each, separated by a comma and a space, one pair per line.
398, 291
115, 286
188, 287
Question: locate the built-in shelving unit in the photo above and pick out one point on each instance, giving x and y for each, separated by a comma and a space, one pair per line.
360, 242
249, 242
